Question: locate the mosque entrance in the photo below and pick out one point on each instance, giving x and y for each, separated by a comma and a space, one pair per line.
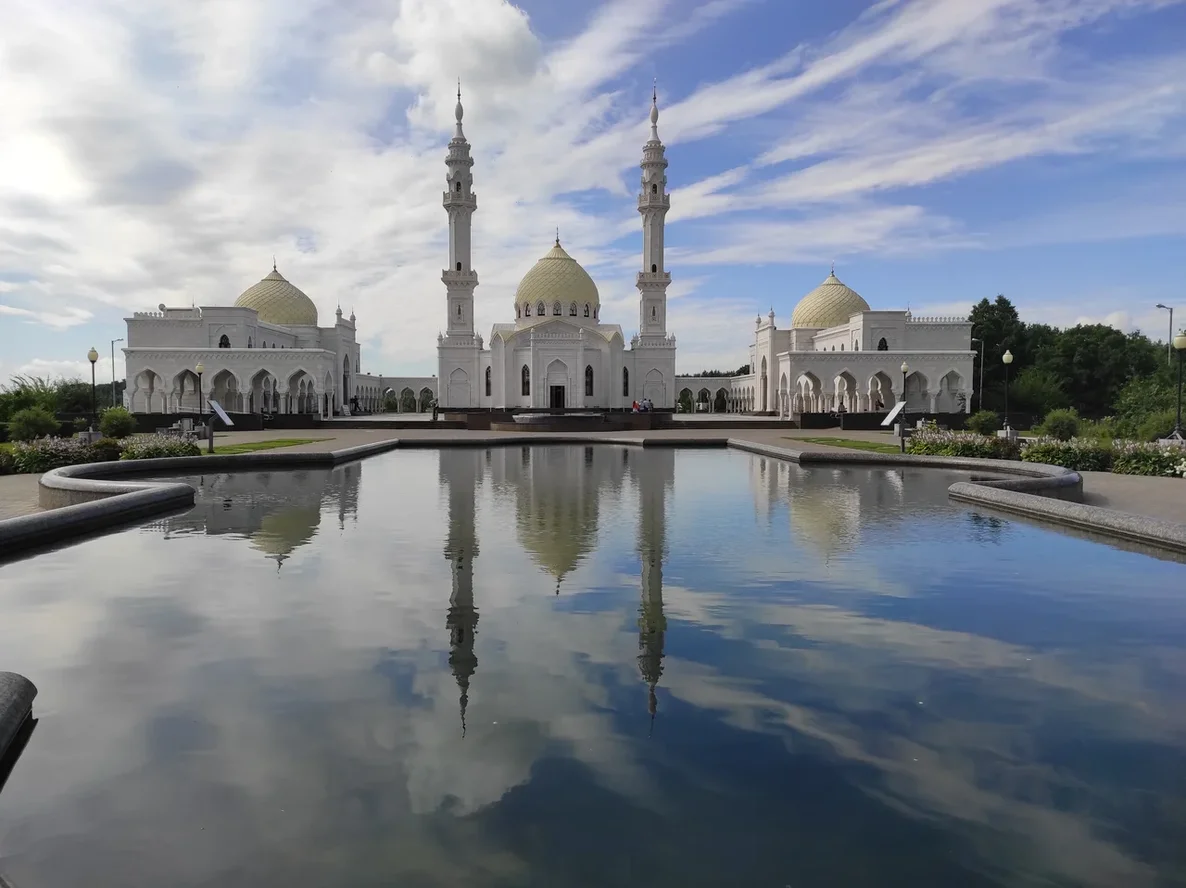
556, 397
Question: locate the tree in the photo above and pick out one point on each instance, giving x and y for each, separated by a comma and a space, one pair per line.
1037, 391
1094, 362
998, 326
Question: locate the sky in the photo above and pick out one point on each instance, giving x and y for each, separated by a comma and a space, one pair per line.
938, 151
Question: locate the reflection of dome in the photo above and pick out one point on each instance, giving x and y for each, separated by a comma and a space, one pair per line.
559, 531
557, 277
280, 533
827, 517
279, 302
828, 305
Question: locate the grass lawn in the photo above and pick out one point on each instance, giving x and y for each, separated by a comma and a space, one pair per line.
874, 446
252, 446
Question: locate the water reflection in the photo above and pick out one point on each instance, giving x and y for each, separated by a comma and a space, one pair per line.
848, 679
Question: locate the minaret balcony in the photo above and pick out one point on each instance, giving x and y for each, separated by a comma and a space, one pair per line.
654, 280
459, 279
457, 200
648, 201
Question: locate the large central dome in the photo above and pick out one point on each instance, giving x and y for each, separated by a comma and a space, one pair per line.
276, 301
828, 305
557, 277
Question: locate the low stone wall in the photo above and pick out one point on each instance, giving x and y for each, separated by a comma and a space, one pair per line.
16, 704
85, 499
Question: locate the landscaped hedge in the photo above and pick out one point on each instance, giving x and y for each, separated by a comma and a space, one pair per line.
1077, 454
931, 441
1137, 458
34, 457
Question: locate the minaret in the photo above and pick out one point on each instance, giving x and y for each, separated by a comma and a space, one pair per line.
653, 204
458, 470
459, 278
652, 544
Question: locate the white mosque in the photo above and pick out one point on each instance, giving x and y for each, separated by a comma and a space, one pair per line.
268, 354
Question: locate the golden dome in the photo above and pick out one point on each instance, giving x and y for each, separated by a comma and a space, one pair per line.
828, 305
276, 301
557, 277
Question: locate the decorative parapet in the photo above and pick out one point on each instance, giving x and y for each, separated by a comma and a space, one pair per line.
653, 280
938, 319
459, 280
170, 313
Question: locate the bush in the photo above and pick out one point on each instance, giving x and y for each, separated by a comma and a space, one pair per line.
1156, 425
158, 446
1077, 454
105, 450
932, 442
116, 422
32, 422
80, 424
1137, 458
49, 453
984, 422
1062, 424
7, 466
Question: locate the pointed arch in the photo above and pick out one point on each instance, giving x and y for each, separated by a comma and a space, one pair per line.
489, 381
625, 382
224, 341
588, 380
882, 345
572, 310
525, 381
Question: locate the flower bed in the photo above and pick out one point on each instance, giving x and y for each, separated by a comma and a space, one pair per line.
43, 454
1077, 454
1137, 458
930, 441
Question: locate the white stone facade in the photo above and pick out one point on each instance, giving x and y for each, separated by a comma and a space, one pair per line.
557, 353
854, 364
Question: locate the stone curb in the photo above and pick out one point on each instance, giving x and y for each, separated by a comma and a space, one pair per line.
79, 500
16, 702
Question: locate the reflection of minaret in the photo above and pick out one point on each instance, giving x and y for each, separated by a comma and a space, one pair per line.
654, 477
459, 470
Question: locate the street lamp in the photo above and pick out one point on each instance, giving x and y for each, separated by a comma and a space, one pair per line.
1179, 343
1007, 358
980, 399
93, 356
1170, 345
200, 369
905, 370
113, 342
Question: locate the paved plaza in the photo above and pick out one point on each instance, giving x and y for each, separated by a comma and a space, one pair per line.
1161, 498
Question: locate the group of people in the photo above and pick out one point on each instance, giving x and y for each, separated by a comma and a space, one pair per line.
643, 406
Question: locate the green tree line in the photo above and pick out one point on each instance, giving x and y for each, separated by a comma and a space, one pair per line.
70, 397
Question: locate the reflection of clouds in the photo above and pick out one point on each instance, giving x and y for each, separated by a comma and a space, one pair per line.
254, 727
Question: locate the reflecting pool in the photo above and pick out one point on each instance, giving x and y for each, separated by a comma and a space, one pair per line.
579, 666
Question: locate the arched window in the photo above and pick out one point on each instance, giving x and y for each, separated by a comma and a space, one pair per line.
518, 311
842, 346
654, 188
654, 268
882, 345
594, 314
487, 382
458, 309
263, 345
586, 309
654, 313
540, 310
224, 341
249, 342
588, 381
625, 382
526, 374
572, 310
556, 311
457, 188
459, 266
526, 309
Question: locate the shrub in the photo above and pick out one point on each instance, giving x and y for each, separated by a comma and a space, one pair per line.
49, 453
105, 450
932, 442
1062, 424
80, 424
1077, 454
32, 422
1156, 425
1138, 458
158, 446
7, 466
984, 422
116, 422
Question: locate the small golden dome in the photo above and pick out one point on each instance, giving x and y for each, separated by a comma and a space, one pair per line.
557, 277
276, 301
828, 305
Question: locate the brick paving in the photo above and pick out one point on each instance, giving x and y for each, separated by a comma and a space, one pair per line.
1163, 498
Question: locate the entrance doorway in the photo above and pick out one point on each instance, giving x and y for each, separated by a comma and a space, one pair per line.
556, 397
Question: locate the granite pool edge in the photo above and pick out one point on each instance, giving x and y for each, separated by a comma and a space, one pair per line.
1037, 491
82, 499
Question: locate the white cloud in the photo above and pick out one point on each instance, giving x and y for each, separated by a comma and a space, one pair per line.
166, 155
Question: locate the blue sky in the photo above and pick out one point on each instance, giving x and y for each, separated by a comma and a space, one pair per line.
939, 151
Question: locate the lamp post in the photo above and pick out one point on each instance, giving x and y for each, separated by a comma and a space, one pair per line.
1007, 358
200, 369
93, 356
113, 342
1179, 343
980, 398
905, 370
1170, 345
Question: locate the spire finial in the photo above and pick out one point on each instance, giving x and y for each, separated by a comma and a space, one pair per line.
655, 110
458, 113
833, 268
273, 262
557, 235
458, 89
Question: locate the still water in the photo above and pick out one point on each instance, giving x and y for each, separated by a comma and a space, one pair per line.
569, 666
